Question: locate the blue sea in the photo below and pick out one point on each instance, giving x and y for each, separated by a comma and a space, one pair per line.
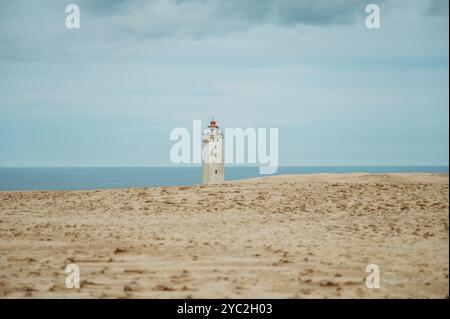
79, 178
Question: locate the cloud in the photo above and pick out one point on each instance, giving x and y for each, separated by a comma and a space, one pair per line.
200, 18
290, 12
35, 31
136, 68
438, 8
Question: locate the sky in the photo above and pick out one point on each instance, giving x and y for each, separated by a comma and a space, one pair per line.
110, 93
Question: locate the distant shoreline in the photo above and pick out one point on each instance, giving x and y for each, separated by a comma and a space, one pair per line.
90, 178
243, 180
228, 165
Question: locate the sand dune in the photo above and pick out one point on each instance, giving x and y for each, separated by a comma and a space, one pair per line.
302, 236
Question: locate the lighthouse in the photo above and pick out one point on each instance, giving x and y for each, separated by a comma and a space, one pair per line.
212, 155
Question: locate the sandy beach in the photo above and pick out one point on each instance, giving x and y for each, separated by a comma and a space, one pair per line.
296, 236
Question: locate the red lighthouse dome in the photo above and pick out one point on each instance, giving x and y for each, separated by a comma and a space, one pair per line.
213, 124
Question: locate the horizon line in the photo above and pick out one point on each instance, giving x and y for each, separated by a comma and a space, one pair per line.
233, 165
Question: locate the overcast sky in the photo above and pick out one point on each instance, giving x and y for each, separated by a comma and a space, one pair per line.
109, 93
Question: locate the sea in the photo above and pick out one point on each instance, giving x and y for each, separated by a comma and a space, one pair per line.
84, 178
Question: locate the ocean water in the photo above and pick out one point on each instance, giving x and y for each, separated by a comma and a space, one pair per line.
80, 178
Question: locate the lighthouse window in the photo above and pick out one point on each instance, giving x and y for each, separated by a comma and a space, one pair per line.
216, 172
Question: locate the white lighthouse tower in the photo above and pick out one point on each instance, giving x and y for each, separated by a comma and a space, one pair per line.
212, 154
